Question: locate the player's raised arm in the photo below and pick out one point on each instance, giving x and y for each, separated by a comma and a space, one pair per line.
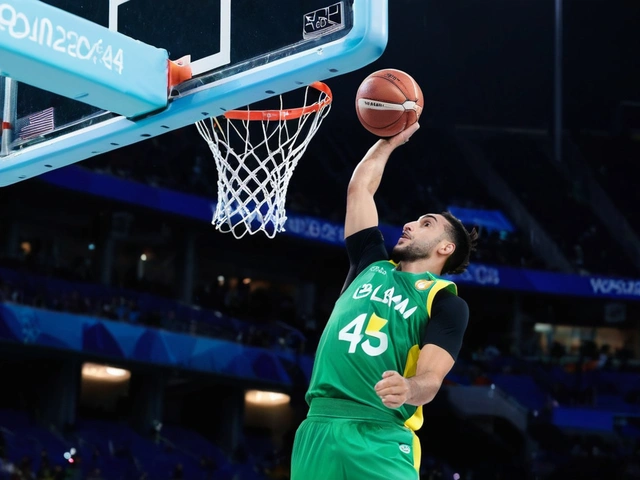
361, 208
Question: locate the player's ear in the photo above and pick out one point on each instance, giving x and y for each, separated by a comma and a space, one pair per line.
447, 248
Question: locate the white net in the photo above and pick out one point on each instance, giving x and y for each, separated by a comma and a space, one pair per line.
256, 153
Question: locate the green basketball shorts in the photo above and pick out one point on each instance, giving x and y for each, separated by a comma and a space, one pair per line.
343, 440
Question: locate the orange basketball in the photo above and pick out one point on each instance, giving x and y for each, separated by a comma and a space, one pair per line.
388, 101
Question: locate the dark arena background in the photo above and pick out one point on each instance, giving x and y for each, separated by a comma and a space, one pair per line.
138, 342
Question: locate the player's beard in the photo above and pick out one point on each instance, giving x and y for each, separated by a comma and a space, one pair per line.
413, 252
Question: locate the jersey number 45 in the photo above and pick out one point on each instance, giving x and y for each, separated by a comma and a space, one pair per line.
352, 333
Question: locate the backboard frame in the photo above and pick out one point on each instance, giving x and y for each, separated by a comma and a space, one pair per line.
198, 99
201, 65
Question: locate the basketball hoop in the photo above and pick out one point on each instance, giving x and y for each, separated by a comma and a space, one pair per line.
253, 176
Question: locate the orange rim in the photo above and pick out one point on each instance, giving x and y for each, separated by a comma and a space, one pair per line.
288, 114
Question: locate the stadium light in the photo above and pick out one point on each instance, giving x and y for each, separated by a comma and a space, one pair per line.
96, 371
266, 399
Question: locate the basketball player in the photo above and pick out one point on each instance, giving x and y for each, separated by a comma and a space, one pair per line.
394, 334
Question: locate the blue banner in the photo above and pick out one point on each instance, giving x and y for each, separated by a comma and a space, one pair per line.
178, 203
583, 419
492, 220
547, 282
121, 341
317, 229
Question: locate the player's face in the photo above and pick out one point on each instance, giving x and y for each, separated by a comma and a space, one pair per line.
420, 238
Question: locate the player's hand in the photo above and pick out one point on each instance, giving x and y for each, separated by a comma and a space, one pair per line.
404, 136
393, 389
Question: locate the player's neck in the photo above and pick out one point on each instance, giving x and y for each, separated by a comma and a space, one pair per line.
420, 266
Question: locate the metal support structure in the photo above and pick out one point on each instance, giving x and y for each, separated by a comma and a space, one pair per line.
557, 82
8, 114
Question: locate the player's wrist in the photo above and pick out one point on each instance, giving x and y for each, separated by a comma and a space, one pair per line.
384, 147
412, 387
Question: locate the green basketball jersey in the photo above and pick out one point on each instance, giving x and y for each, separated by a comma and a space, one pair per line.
377, 324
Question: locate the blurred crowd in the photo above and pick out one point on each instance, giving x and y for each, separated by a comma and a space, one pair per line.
229, 318
184, 163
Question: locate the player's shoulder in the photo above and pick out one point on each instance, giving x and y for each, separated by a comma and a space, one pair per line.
445, 299
366, 246
369, 235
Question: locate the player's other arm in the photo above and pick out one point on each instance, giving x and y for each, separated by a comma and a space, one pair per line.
443, 340
433, 365
361, 208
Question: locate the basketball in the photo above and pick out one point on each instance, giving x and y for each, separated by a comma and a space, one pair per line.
388, 101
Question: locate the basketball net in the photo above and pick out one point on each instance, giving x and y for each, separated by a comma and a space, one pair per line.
254, 173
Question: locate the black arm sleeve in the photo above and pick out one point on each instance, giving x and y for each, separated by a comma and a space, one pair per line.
364, 248
448, 322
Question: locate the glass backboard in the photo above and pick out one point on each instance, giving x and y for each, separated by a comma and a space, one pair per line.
241, 52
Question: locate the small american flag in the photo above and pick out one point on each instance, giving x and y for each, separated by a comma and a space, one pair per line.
35, 124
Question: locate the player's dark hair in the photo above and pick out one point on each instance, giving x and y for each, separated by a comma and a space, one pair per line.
464, 241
